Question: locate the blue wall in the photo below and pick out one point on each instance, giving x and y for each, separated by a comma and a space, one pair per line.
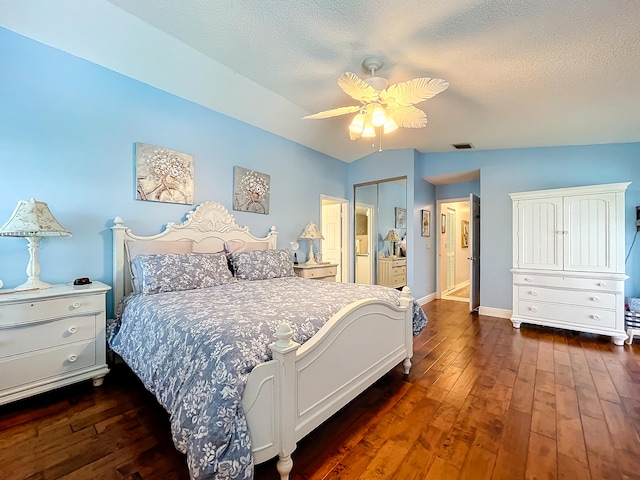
67, 134
506, 171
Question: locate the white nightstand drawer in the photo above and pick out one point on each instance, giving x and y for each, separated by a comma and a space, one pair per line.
38, 310
317, 272
568, 314
569, 297
568, 282
24, 339
24, 369
320, 272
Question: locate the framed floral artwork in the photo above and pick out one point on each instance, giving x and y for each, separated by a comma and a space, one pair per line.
464, 240
251, 191
163, 175
401, 217
426, 223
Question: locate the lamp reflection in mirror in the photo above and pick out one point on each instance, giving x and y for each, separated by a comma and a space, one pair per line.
392, 237
33, 220
311, 232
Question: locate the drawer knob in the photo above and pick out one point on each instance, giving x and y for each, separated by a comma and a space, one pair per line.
602, 284
595, 299
76, 305
73, 329
594, 317
533, 293
533, 309
527, 279
72, 358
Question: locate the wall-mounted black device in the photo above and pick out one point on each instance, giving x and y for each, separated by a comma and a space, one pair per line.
638, 218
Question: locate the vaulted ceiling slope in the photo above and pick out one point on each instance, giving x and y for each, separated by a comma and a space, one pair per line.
522, 73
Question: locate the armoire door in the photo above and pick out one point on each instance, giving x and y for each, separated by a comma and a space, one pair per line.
539, 234
589, 223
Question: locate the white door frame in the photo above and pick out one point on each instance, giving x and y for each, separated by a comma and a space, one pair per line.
440, 250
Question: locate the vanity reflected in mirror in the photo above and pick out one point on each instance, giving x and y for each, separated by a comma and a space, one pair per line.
380, 219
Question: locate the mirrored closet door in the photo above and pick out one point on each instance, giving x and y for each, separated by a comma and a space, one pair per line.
380, 219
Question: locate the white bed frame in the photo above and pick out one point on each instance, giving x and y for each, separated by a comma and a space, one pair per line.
289, 396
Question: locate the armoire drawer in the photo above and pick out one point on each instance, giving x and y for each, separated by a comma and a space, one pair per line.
568, 282
24, 369
569, 297
30, 337
569, 314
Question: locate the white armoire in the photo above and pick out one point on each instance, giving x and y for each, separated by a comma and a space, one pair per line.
568, 259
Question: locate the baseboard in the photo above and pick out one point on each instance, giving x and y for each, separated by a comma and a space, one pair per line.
487, 311
426, 299
494, 312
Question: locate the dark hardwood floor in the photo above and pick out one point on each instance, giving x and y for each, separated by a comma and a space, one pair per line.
483, 401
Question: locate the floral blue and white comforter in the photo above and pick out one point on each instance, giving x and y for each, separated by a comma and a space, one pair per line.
194, 351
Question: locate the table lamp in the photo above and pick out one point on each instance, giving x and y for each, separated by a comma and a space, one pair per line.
311, 233
392, 237
32, 220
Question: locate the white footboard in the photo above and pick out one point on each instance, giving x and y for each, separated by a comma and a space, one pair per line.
303, 386
260, 403
354, 349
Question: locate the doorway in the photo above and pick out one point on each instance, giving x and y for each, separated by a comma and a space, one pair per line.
333, 225
453, 270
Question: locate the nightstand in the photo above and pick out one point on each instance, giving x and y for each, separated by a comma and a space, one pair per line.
392, 271
321, 271
50, 338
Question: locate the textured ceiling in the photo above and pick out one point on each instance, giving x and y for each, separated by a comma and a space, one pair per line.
522, 73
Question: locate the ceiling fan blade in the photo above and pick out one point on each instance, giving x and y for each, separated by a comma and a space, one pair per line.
334, 112
357, 88
409, 117
412, 91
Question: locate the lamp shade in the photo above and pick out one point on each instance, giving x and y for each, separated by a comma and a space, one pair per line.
392, 236
311, 232
32, 219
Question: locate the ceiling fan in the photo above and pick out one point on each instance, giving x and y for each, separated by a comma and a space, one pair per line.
383, 108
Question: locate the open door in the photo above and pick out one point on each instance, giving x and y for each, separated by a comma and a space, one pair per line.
333, 227
474, 253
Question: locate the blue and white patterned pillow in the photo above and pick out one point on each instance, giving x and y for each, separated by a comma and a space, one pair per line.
262, 264
182, 271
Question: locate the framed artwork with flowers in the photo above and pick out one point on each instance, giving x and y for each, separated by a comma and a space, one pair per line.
163, 175
251, 191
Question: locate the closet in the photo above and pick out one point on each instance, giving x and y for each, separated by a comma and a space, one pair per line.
568, 259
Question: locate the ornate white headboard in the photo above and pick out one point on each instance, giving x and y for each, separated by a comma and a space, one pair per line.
208, 226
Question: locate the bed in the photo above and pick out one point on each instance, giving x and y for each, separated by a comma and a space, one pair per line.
295, 350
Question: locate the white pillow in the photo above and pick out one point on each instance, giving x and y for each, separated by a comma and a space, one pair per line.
235, 246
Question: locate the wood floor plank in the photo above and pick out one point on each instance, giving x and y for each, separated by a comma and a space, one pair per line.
542, 461
483, 400
570, 436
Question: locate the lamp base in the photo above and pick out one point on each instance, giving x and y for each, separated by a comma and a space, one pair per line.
311, 260
33, 284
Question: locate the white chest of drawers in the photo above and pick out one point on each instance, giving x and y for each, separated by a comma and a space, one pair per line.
392, 271
51, 338
568, 259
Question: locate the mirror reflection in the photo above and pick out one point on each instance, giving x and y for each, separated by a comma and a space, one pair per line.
380, 219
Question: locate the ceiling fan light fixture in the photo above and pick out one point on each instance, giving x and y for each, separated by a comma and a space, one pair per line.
378, 115
357, 124
369, 131
379, 83
390, 126
384, 107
